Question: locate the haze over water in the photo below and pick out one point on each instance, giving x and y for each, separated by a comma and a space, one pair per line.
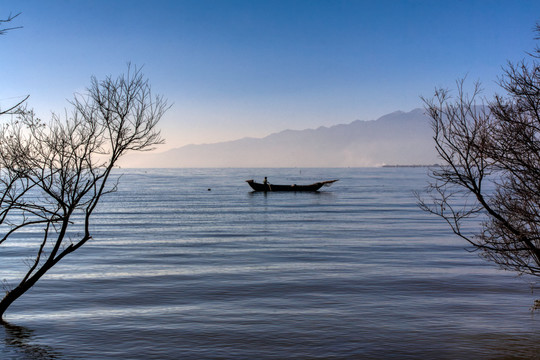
190, 264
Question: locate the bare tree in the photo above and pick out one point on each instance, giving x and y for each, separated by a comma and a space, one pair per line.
491, 166
53, 174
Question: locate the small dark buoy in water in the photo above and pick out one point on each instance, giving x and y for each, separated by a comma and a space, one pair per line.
209, 189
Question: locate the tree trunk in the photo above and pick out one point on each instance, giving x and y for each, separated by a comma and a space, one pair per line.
11, 296
22, 288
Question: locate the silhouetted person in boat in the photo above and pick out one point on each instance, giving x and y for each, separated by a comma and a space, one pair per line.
266, 184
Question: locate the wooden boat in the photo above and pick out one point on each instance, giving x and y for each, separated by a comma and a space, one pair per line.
271, 187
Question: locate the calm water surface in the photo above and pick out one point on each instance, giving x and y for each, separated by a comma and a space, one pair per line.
356, 271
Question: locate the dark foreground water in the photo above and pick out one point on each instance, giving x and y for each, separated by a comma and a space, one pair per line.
356, 271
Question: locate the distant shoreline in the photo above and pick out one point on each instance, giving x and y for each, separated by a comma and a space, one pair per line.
409, 166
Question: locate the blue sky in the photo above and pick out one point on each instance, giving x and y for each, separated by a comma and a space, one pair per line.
236, 68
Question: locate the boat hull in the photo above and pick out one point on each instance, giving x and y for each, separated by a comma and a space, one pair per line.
271, 187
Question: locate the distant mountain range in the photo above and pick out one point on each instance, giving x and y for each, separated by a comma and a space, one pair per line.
399, 138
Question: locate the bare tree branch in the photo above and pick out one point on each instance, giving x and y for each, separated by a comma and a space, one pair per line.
4, 30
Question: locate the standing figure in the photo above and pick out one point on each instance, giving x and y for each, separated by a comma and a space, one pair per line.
266, 184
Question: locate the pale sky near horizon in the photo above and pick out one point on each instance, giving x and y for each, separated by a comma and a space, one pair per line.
237, 68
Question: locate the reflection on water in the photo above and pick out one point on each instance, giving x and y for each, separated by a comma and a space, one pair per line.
19, 343
355, 272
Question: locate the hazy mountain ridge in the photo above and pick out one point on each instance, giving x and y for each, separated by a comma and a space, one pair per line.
399, 138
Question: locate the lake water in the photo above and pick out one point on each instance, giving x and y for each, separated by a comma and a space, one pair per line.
190, 264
